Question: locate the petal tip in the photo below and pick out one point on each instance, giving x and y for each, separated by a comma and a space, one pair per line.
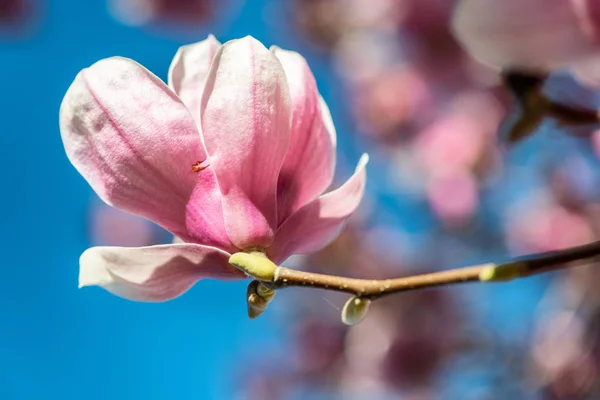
246, 40
91, 269
363, 161
211, 40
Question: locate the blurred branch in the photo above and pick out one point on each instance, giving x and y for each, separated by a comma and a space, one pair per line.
532, 106
573, 116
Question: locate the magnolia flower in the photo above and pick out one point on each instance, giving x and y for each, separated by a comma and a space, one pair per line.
232, 155
533, 34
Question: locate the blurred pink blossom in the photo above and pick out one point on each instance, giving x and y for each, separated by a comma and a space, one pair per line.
231, 155
390, 100
461, 136
139, 12
533, 34
112, 227
12, 10
326, 22
561, 355
454, 197
20, 17
409, 340
596, 142
321, 344
536, 224
426, 16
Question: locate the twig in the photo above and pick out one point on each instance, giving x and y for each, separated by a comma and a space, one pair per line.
568, 115
372, 289
269, 277
532, 106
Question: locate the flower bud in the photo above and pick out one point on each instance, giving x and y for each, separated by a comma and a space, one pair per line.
258, 297
256, 265
355, 310
502, 272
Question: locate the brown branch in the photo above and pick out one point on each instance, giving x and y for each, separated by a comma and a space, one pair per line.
532, 106
568, 115
372, 289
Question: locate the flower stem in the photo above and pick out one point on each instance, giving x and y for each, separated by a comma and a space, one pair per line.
373, 289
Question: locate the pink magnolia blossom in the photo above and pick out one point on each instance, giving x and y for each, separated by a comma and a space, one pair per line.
533, 34
233, 154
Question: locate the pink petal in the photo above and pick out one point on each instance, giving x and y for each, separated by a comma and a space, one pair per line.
587, 71
204, 214
188, 72
320, 221
533, 34
588, 12
155, 273
328, 122
310, 161
135, 142
246, 127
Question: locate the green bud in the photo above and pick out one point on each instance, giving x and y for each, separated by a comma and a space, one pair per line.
355, 310
258, 297
502, 272
254, 264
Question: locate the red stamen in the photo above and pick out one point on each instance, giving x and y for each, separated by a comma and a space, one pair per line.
200, 166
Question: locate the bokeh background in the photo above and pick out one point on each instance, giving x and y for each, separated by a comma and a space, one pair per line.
444, 191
